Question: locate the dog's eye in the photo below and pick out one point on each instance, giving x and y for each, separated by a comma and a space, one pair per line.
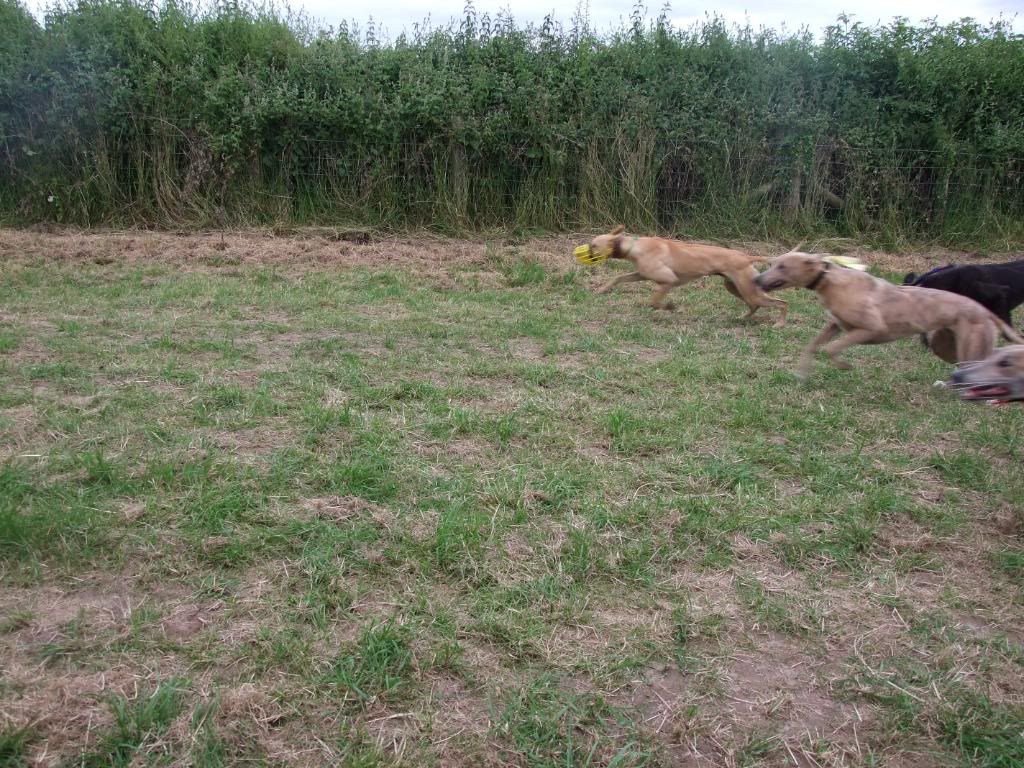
1004, 363
782, 267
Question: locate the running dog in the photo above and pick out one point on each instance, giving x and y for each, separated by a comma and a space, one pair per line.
997, 287
873, 311
671, 263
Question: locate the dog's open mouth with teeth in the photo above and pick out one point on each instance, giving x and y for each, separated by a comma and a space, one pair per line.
997, 379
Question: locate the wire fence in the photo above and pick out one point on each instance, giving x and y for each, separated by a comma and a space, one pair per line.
660, 179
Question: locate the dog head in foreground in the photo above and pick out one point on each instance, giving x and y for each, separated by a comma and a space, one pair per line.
999, 378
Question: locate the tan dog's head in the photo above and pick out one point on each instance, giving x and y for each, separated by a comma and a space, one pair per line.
998, 378
610, 243
795, 269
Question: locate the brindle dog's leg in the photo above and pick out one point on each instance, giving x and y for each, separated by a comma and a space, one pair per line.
828, 333
852, 338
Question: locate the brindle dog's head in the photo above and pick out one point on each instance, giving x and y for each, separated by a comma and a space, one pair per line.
795, 269
610, 243
998, 378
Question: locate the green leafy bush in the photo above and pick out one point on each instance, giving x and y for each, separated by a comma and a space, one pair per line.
118, 111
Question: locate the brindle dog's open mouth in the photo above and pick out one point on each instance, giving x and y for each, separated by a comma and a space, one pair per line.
988, 392
996, 394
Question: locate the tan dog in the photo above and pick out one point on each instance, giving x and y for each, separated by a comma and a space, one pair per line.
671, 263
873, 311
999, 378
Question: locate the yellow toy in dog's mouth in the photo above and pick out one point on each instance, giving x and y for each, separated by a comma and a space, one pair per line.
587, 255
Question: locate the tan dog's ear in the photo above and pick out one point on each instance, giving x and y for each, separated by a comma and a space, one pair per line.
618, 230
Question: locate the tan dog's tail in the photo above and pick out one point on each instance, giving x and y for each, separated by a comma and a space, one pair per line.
1008, 332
765, 259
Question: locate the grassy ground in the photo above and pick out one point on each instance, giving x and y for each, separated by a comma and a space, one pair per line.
295, 501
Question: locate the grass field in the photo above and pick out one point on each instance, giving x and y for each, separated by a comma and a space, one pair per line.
296, 501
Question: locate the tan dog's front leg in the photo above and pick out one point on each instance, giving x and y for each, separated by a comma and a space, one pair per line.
828, 333
632, 277
854, 337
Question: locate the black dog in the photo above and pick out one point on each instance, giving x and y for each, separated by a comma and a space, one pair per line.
997, 287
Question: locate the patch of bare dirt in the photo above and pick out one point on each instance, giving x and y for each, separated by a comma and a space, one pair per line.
517, 547
254, 720
252, 443
776, 680
659, 694
340, 509
52, 682
393, 731
244, 378
17, 427
65, 709
465, 450
188, 620
247, 703
94, 609
526, 349
431, 256
500, 397
599, 454
459, 714
640, 353
421, 524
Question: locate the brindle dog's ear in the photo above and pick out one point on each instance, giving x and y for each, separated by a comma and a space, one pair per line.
618, 230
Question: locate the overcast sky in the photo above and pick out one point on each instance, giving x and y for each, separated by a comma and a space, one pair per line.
397, 16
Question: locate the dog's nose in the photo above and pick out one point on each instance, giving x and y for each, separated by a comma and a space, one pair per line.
757, 282
957, 376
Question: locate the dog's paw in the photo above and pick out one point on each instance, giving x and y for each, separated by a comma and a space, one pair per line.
779, 324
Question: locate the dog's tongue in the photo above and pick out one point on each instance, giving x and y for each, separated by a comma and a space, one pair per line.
993, 393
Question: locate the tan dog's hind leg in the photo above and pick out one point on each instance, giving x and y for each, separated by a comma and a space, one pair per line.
944, 344
975, 341
828, 333
730, 286
742, 286
666, 280
658, 297
632, 277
